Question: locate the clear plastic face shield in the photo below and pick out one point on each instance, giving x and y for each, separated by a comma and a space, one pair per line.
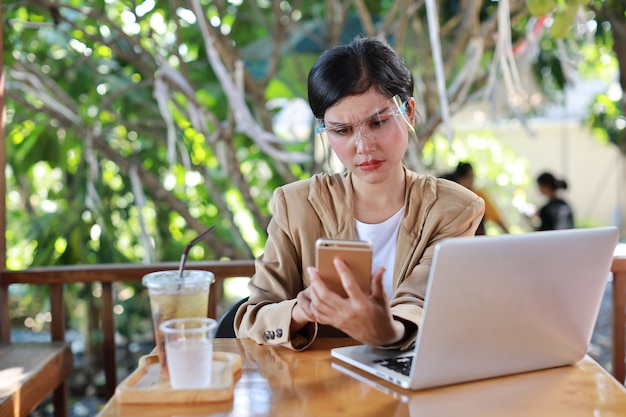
390, 119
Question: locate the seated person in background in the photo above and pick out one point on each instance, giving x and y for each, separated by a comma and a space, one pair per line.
362, 97
464, 175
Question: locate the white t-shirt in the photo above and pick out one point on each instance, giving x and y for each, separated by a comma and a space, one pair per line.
384, 237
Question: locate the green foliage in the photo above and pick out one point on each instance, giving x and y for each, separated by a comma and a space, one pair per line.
540, 7
90, 179
101, 89
563, 13
566, 47
563, 19
608, 120
548, 69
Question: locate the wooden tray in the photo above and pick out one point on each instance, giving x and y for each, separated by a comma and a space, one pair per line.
146, 385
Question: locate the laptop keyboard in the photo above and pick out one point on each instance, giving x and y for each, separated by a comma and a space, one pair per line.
400, 364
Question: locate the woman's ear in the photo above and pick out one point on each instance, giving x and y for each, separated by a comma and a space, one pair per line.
410, 110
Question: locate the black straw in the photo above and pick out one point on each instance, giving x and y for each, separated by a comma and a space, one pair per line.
183, 258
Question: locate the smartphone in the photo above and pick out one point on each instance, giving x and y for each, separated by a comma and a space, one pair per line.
357, 254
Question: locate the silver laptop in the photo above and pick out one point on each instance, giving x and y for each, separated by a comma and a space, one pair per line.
500, 305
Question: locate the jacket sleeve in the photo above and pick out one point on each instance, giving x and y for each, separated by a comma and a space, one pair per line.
266, 316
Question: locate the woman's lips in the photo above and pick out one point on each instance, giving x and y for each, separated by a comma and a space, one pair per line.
370, 165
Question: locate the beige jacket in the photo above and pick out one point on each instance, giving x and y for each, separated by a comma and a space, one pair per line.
321, 206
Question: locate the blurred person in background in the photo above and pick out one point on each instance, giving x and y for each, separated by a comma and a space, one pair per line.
556, 213
464, 175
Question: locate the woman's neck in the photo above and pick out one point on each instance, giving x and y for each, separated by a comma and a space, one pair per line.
375, 203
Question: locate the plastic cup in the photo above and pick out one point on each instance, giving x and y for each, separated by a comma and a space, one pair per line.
173, 298
189, 347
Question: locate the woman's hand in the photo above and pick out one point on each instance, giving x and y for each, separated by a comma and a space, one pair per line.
365, 317
301, 315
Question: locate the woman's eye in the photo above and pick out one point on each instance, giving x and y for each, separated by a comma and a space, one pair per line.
379, 122
342, 131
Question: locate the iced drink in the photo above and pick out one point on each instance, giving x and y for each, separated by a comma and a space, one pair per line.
189, 347
173, 298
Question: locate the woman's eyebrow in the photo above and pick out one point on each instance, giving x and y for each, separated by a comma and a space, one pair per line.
371, 116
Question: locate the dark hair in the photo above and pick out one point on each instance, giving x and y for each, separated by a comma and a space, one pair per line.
463, 169
352, 69
551, 181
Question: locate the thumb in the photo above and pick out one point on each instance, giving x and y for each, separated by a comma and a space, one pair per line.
376, 287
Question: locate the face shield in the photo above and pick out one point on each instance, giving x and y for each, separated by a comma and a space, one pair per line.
389, 119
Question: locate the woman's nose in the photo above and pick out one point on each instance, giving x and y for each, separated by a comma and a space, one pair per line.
363, 141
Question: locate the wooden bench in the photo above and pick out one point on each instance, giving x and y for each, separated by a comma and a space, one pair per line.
44, 370
49, 368
29, 372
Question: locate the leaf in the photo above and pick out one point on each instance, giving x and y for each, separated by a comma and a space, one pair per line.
540, 7
563, 19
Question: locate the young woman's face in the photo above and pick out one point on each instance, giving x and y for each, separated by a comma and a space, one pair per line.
546, 190
367, 134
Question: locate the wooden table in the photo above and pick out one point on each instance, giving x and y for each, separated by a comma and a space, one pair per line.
278, 382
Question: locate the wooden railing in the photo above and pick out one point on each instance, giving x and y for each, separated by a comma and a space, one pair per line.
618, 269
106, 275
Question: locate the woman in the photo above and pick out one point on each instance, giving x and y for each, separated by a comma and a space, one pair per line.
361, 95
556, 213
464, 175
